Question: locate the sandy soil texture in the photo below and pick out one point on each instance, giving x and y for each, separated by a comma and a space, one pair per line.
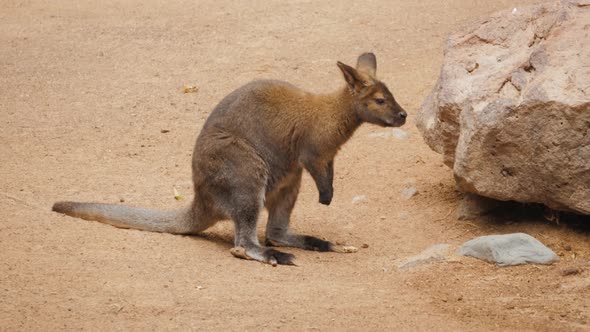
86, 89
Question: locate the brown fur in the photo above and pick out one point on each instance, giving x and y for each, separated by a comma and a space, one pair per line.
251, 153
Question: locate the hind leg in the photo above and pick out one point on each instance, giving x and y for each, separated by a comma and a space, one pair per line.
243, 202
246, 243
243, 207
231, 179
280, 204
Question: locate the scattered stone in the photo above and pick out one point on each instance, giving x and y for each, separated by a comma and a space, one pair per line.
380, 135
403, 215
358, 199
364, 246
399, 133
177, 195
122, 200
510, 113
568, 271
471, 66
164, 131
190, 89
115, 308
508, 249
435, 253
409, 192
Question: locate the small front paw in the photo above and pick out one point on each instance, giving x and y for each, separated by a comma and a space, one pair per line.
326, 197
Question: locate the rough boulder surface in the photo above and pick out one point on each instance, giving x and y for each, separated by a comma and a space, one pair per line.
511, 109
509, 249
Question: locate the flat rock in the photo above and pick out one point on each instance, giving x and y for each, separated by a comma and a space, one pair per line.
508, 249
435, 253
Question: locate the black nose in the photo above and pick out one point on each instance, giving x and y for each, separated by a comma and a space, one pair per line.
403, 115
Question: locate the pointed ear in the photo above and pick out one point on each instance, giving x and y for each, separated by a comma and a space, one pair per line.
367, 64
354, 79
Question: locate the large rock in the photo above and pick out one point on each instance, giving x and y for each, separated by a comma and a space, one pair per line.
511, 110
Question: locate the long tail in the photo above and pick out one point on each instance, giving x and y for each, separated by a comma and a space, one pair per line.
176, 221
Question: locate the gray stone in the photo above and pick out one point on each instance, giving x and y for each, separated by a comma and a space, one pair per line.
435, 253
409, 192
358, 199
508, 249
510, 112
380, 135
399, 133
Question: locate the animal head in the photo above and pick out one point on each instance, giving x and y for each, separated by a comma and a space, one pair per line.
372, 100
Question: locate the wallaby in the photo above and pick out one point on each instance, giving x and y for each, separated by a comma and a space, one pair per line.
251, 153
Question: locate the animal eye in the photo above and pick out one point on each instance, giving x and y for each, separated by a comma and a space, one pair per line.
380, 101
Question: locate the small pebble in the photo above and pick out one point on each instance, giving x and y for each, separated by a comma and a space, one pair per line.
358, 199
190, 89
365, 246
409, 192
471, 66
572, 270
380, 135
399, 133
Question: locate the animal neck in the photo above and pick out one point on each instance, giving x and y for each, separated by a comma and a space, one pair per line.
337, 120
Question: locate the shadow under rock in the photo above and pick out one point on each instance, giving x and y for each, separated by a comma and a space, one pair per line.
500, 213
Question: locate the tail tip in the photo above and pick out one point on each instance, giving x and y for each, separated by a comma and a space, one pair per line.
62, 207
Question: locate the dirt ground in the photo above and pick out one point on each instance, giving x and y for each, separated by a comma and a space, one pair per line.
86, 89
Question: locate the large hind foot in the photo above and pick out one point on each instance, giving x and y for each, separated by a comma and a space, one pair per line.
264, 255
309, 243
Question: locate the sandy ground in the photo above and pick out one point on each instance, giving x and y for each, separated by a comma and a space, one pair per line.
87, 87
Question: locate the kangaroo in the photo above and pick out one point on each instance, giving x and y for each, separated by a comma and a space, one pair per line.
251, 153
